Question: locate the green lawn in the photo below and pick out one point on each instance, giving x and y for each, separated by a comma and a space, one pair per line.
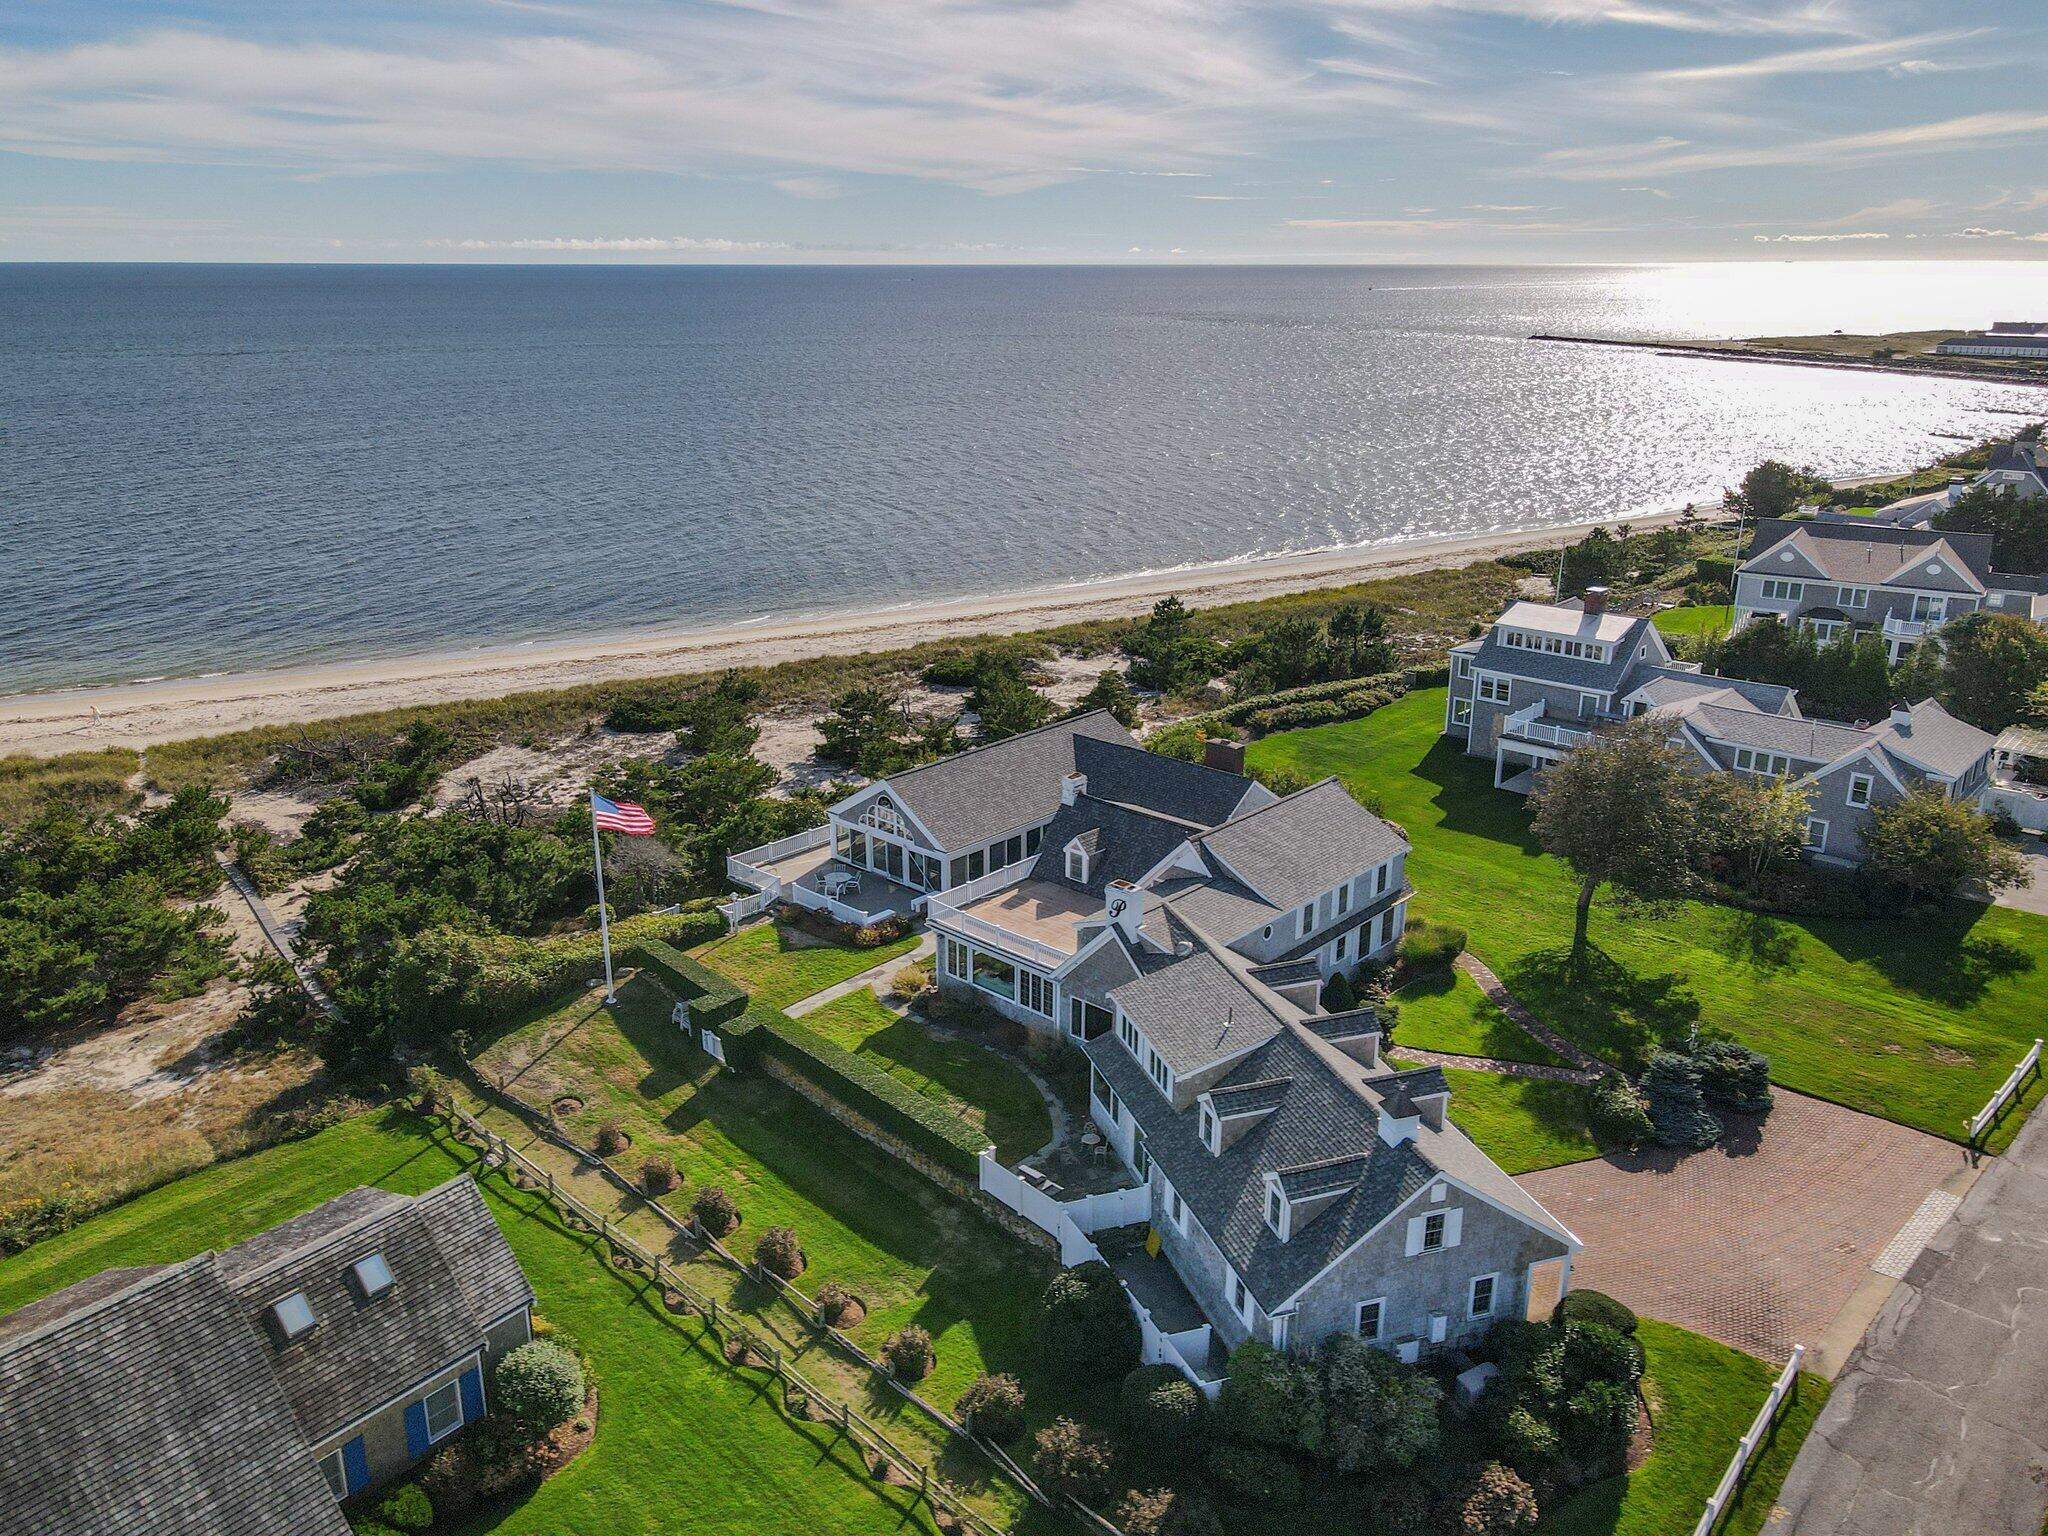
782, 965
1710, 619
676, 1429
1918, 1020
968, 1079
1450, 1013
1522, 1123
1702, 1398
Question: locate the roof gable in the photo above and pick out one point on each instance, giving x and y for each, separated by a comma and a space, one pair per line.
987, 791
1299, 847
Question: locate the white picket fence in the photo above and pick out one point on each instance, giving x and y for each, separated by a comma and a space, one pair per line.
1071, 1223
1979, 1122
1759, 1428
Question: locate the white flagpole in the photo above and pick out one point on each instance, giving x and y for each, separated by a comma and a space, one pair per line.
604, 922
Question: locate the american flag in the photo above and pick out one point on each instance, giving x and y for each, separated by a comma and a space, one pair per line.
620, 816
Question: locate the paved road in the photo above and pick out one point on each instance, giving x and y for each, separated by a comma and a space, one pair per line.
2034, 896
1936, 1427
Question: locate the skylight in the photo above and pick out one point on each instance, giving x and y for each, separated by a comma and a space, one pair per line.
373, 1275
294, 1315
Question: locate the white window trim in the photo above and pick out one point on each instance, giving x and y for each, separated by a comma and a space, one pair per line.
1493, 689
1461, 666
1379, 1330
1077, 856
1461, 711
1492, 1297
1852, 597
1812, 843
455, 1387
1869, 785
337, 1484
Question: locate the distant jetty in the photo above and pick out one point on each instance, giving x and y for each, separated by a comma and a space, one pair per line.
1908, 352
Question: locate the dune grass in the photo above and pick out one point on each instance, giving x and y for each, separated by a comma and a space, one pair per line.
782, 965
1915, 1019
94, 782
1702, 1398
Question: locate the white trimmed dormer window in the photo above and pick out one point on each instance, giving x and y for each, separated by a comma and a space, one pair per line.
1276, 1211
1077, 863
1211, 1127
1860, 785
371, 1275
294, 1315
1768, 765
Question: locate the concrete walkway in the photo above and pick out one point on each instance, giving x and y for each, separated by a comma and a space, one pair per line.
1936, 1426
876, 976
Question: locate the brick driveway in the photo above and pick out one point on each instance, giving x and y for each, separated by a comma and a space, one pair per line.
1757, 1242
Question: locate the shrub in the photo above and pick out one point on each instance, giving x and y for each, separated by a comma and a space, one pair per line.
909, 1353
1616, 1112
1497, 1504
487, 1460
1595, 1352
1527, 1441
1373, 1411
429, 1089
1428, 946
1163, 1407
1071, 1458
1400, 1506
1733, 1076
780, 1253
1337, 994
363, 1524
993, 1406
833, 1302
715, 1210
611, 1139
540, 1384
407, 1508
1086, 1332
1596, 1307
1251, 1474
1165, 1512
659, 1176
1677, 1118
1271, 1398
1600, 1419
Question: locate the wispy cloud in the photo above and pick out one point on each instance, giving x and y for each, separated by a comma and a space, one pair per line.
1729, 17
1674, 157
1861, 234
1840, 58
640, 245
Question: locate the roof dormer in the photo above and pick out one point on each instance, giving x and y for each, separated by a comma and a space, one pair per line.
1296, 1196
1227, 1113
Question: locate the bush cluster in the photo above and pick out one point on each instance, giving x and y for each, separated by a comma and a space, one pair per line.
909, 1353
539, 1385
1563, 1408
1678, 1114
715, 1209
779, 1252
1165, 1512
1069, 1457
1428, 947
1086, 1332
1251, 1474
993, 1406
1163, 1408
1616, 1112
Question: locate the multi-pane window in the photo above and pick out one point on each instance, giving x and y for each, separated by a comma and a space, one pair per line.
1077, 864
1208, 1127
1482, 1296
1241, 1299
1275, 1204
1860, 785
1433, 1232
1780, 591
884, 817
1343, 898
1553, 645
1461, 711
444, 1411
956, 959
1371, 1317
1306, 919
1380, 878
1461, 666
1816, 835
1769, 765
1035, 992
1853, 597
1493, 690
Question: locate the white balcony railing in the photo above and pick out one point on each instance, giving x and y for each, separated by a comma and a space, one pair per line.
942, 913
1896, 628
749, 869
1529, 725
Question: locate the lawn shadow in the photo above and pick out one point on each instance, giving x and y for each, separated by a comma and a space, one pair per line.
674, 1060
1931, 954
1468, 801
1593, 999
1766, 944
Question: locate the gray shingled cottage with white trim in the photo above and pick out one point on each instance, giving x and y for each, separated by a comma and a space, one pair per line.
246, 1392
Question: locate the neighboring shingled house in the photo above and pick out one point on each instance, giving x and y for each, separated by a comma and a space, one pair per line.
1515, 697
244, 1393
1900, 584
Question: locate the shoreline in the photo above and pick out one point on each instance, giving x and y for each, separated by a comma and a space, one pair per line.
144, 714
1744, 352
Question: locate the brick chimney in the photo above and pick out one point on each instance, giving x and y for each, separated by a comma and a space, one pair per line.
1227, 755
1595, 601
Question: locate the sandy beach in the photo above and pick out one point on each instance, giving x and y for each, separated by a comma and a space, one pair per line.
141, 714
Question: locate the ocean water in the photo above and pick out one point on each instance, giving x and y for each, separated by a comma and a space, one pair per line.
207, 468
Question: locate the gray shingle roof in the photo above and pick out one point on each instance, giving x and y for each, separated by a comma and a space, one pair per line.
1814, 741
1220, 906
974, 796
1857, 555
1122, 844
152, 1409
1196, 1010
1933, 738
1301, 846
1190, 792
164, 1400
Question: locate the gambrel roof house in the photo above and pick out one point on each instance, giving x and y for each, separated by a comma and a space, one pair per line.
243, 1393
1509, 700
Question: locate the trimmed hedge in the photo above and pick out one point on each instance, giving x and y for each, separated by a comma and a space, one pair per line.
752, 1030
1348, 698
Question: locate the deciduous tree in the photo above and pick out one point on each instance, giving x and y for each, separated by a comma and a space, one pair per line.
1932, 846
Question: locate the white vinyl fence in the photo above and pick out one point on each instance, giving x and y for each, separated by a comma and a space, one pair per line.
1760, 1427
1981, 1121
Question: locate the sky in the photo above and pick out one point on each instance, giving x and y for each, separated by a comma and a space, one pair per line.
1023, 130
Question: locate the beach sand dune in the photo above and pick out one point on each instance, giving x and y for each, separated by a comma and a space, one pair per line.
143, 714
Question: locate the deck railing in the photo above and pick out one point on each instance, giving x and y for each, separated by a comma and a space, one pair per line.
1044, 957
749, 868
